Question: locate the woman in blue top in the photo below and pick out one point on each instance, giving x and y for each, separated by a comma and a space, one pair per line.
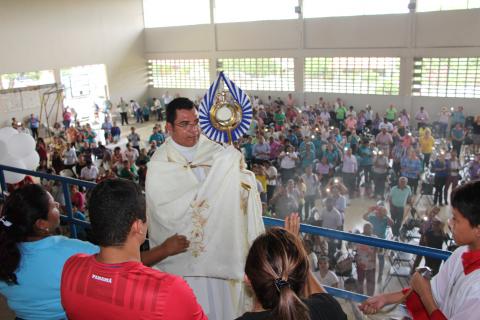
411, 167
308, 156
375, 124
440, 168
332, 156
379, 218
32, 258
27, 247
365, 153
457, 135
115, 131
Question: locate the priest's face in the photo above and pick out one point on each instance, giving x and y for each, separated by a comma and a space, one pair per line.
185, 129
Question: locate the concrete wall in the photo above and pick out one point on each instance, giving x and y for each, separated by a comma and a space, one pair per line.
55, 34
431, 34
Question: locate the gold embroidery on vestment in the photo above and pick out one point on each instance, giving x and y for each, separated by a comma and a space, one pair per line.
199, 221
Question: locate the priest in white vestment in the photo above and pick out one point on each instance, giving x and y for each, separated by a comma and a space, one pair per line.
198, 188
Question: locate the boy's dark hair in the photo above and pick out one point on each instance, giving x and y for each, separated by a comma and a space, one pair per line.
466, 200
178, 104
114, 205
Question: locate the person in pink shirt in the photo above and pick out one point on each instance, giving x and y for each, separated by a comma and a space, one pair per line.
275, 148
351, 123
404, 118
77, 198
290, 100
384, 140
291, 114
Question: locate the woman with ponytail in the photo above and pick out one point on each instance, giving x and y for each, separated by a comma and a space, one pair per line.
285, 288
31, 256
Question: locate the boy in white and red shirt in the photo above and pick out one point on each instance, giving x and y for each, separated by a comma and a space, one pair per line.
454, 293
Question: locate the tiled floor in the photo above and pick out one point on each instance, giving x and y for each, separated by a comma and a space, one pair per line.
353, 221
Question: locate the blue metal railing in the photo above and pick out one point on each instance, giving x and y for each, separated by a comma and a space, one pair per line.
370, 241
329, 233
65, 181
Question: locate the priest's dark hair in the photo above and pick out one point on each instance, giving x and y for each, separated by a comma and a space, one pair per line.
178, 104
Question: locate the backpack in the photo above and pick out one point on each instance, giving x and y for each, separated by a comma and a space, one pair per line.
344, 265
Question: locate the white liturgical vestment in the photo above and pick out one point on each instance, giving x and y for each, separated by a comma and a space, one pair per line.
456, 294
203, 193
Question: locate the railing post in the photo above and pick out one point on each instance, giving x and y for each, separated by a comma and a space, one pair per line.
3, 184
68, 206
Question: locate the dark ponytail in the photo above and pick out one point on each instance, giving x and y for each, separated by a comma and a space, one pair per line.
277, 266
290, 307
20, 212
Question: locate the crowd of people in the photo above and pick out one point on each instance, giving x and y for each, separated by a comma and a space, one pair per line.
300, 155
325, 155
311, 161
77, 152
313, 145
79, 278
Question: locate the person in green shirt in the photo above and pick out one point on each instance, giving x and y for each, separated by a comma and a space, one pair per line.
247, 147
146, 112
399, 197
128, 171
157, 136
340, 112
391, 113
279, 118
